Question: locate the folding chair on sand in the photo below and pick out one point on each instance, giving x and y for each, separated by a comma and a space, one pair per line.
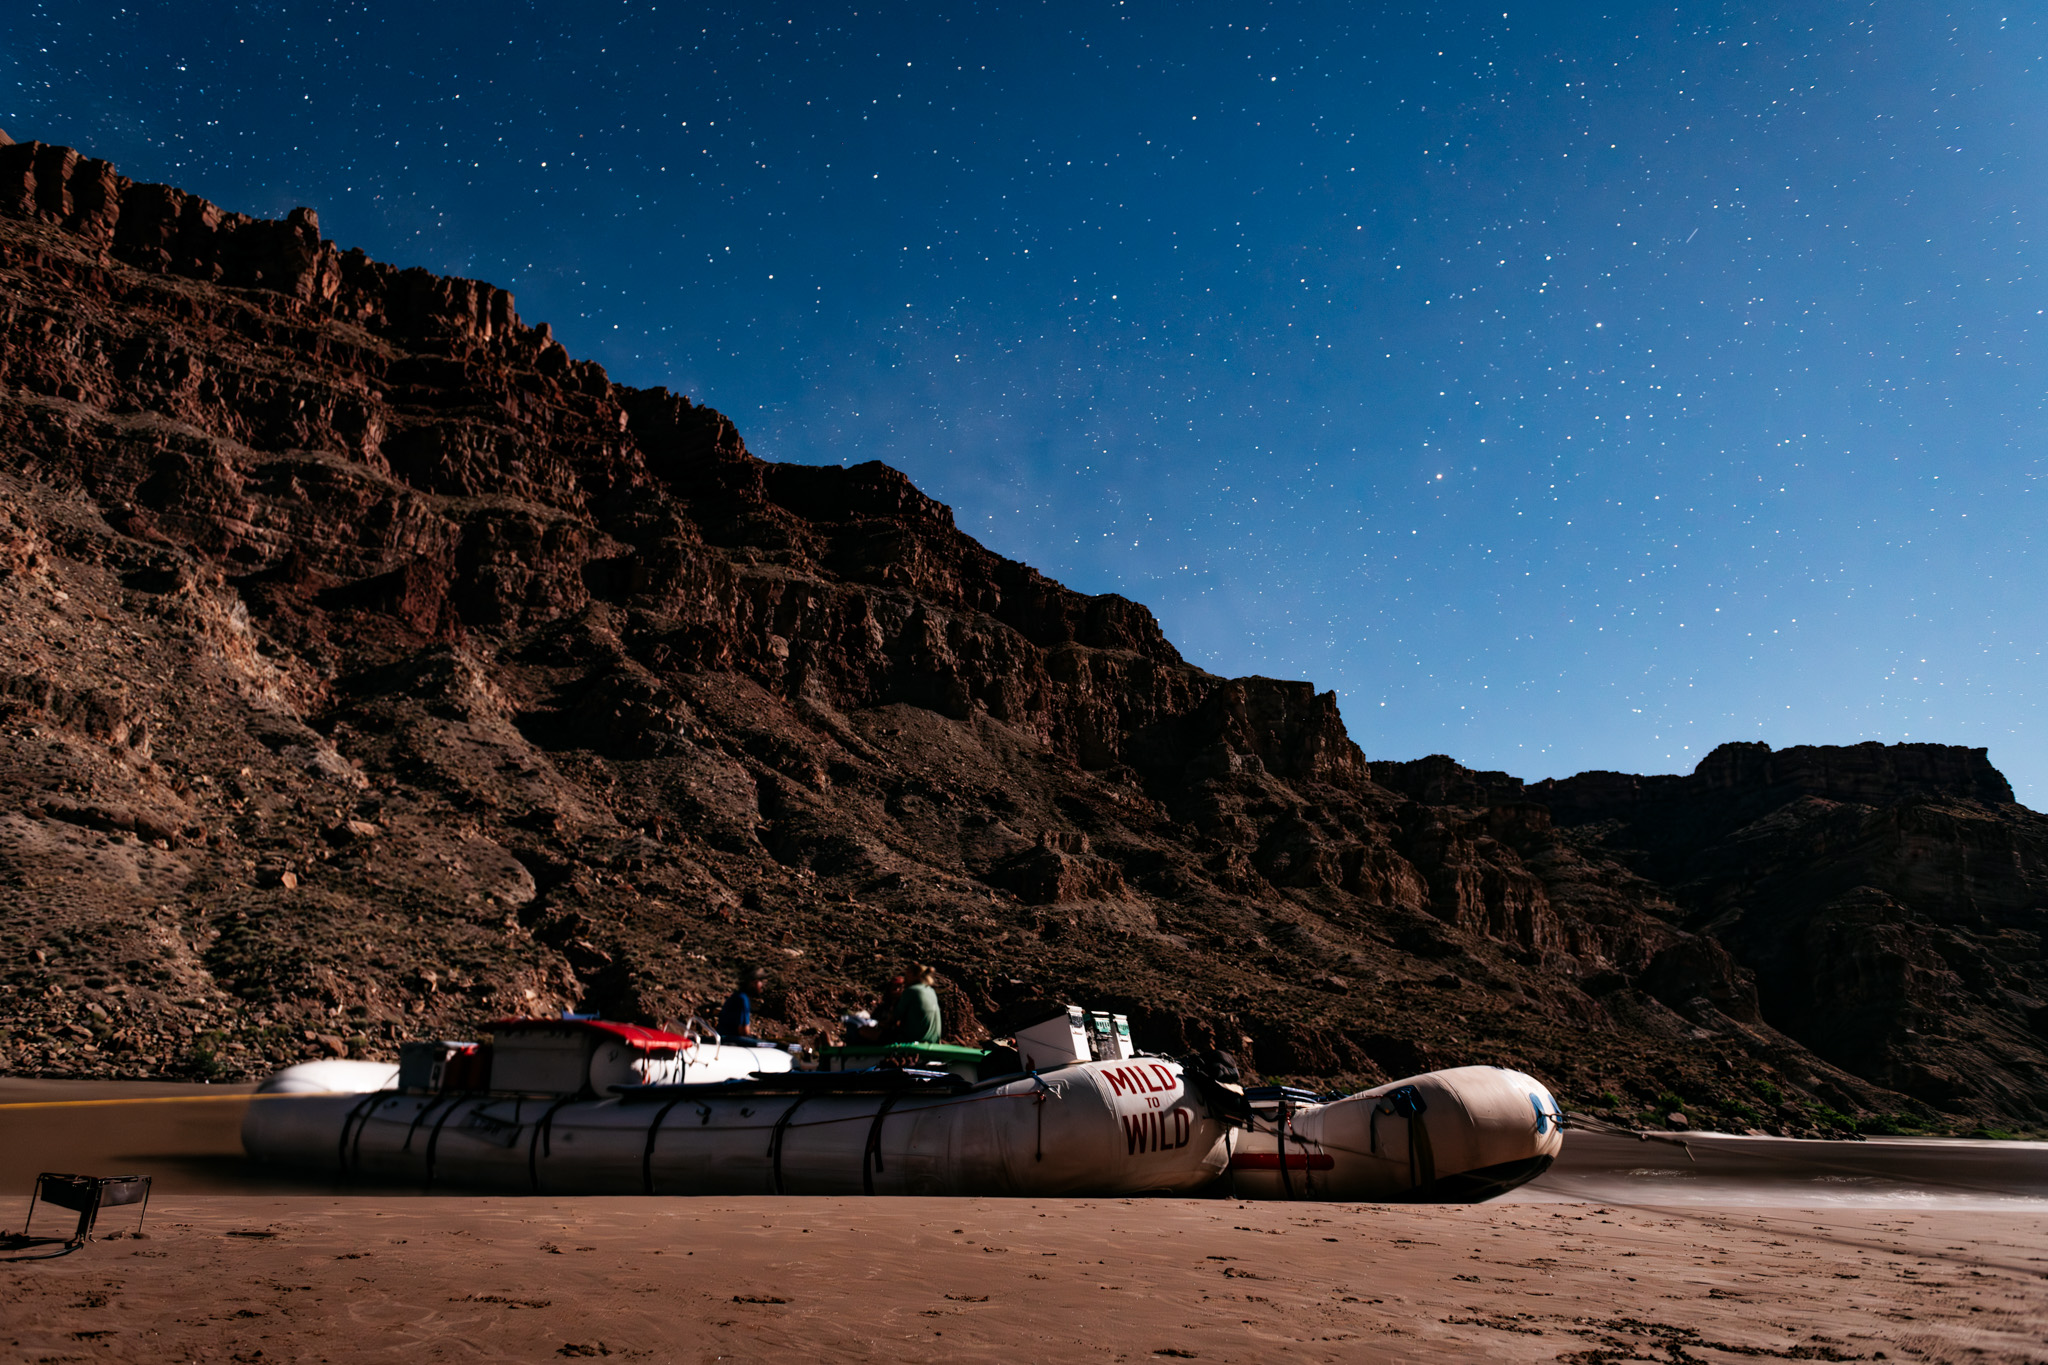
88, 1194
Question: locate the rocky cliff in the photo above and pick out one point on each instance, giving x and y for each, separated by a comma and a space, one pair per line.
370, 668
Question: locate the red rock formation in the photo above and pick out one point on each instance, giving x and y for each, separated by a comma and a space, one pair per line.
370, 667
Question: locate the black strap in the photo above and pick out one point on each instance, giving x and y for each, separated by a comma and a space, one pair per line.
1423, 1156
871, 1154
1280, 1122
1038, 1099
434, 1138
543, 1133
419, 1117
647, 1156
775, 1139
357, 1118
1308, 1169
1409, 1104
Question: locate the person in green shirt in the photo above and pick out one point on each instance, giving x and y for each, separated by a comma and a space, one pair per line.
916, 1019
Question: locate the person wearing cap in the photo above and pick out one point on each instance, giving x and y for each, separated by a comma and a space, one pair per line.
916, 1017
736, 1016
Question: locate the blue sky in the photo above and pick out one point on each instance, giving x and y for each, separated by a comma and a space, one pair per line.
1568, 389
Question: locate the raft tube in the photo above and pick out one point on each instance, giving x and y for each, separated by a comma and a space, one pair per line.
1452, 1137
1121, 1127
1100, 1128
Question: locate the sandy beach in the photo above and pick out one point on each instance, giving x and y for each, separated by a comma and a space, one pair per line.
1906, 1256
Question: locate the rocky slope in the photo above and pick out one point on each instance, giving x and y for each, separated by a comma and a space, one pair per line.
370, 668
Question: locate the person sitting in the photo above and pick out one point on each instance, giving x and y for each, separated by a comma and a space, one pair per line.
858, 1026
736, 1016
885, 1010
916, 1016
873, 1019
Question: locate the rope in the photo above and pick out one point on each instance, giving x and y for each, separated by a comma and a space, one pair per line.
1592, 1124
243, 1096
24, 1240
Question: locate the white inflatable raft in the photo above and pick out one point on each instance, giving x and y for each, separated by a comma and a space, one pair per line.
1076, 1124
1452, 1137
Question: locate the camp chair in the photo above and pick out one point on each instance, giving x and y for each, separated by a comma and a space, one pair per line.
88, 1194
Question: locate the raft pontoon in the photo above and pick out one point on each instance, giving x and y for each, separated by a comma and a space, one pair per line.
585, 1106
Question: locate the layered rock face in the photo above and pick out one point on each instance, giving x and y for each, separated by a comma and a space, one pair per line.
369, 668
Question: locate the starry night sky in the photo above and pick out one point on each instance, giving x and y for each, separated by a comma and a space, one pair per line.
1568, 390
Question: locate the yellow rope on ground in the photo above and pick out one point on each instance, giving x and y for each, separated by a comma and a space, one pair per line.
144, 1099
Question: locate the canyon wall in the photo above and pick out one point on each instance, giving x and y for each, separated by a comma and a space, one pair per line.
370, 668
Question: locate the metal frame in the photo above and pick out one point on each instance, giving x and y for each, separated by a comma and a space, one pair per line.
88, 1194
